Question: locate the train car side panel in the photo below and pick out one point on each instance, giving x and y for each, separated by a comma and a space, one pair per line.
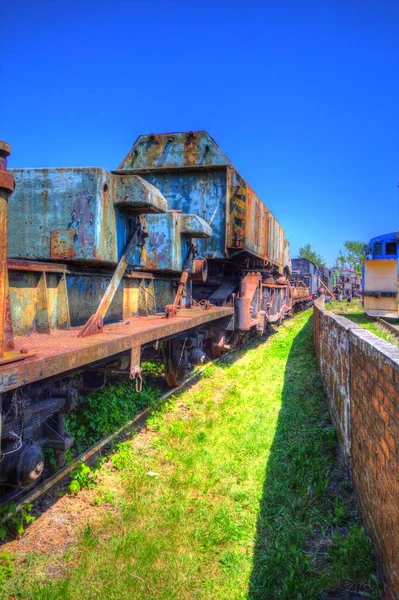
381, 288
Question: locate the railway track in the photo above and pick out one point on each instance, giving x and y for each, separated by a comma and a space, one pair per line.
388, 326
20, 497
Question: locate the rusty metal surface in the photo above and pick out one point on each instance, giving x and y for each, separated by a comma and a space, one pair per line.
76, 214
6, 189
195, 227
62, 351
168, 238
248, 221
249, 286
201, 193
29, 265
299, 291
69, 214
73, 296
63, 213
251, 227
5, 150
177, 150
7, 181
84, 215
200, 270
171, 309
136, 194
195, 176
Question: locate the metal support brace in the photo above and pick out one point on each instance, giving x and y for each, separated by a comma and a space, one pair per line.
135, 369
95, 323
171, 309
7, 185
325, 287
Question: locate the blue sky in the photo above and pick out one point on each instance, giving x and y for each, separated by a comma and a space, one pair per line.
302, 96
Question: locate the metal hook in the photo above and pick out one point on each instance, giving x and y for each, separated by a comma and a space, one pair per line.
135, 374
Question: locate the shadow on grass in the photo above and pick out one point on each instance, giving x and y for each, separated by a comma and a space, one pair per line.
104, 411
309, 542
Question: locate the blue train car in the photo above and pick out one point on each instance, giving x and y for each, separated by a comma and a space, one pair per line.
380, 276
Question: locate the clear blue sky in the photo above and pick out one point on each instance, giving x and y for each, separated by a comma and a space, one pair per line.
303, 96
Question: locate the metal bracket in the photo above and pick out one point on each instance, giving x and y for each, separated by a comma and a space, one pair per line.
171, 309
135, 369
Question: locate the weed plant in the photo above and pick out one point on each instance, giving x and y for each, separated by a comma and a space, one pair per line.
100, 413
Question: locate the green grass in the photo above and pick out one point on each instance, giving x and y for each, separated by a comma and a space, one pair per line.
354, 312
247, 498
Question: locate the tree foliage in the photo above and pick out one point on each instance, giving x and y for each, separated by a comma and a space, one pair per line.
307, 252
351, 257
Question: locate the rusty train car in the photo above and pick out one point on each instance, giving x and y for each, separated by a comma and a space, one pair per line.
172, 253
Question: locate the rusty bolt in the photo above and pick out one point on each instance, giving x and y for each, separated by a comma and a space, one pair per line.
6, 179
5, 149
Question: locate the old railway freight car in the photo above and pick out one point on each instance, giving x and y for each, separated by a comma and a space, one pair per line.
171, 253
305, 270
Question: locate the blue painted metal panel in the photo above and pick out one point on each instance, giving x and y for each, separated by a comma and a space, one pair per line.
69, 214
384, 246
62, 214
197, 177
163, 248
199, 192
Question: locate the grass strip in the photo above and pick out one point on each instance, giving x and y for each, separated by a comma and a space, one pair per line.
236, 491
354, 311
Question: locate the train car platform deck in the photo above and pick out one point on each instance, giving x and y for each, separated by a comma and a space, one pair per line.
62, 350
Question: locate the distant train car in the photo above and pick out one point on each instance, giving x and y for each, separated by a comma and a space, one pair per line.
380, 276
348, 280
305, 270
334, 277
328, 277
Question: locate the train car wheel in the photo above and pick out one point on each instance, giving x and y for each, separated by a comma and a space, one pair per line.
175, 369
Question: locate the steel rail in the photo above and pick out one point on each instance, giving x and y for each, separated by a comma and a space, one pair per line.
391, 328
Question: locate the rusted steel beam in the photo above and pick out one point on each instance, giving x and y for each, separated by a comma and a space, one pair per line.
16, 264
63, 350
171, 309
326, 288
274, 285
143, 275
6, 189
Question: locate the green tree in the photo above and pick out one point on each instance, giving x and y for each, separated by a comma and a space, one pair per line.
307, 252
351, 257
